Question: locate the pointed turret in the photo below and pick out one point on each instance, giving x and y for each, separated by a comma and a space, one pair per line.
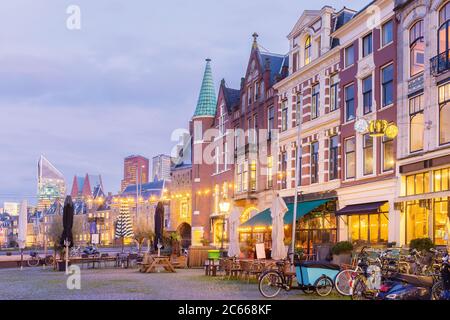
206, 105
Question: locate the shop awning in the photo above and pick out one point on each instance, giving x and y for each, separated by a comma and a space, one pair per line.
263, 219
362, 208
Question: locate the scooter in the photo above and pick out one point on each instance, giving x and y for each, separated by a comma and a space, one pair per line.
91, 250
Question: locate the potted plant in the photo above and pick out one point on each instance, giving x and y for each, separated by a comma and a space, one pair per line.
421, 244
342, 252
205, 242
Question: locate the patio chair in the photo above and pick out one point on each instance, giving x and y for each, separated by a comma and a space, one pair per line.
233, 268
104, 259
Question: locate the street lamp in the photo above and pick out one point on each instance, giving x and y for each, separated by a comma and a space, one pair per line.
224, 207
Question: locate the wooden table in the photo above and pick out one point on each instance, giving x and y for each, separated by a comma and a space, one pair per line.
158, 262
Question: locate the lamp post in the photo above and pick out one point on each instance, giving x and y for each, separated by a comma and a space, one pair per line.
224, 207
138, 187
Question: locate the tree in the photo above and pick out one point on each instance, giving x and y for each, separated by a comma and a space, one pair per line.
55, 230
143, 231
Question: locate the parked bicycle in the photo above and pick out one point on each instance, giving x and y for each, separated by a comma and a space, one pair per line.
35, 259
441, 287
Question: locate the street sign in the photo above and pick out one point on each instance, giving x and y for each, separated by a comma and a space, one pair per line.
95, 238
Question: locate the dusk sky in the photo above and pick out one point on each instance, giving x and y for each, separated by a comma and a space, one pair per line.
87, 98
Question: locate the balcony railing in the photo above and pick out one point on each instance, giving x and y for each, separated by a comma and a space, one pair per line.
440, 63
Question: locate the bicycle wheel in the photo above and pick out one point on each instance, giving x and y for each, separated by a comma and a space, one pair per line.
49, 260
359, 288
270, 284
344, 282
324, 286
33, 262
436, 291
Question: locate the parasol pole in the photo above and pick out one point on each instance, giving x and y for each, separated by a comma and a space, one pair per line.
297, 175
66, 243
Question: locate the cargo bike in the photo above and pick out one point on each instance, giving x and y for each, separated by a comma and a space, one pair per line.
311, 276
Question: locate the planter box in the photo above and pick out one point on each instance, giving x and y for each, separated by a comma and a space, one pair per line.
62, 265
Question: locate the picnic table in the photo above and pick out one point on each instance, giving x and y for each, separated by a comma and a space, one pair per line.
152, 263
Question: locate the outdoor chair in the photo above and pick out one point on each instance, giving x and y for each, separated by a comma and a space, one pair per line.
232, 268
133, 259
84, 258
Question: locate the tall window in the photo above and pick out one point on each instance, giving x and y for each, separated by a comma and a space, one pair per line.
245, 176
315, 101
284, 116
253, 175
222, 120
249, 95
350, 158
367, 94
270, 120
334, 94
368, 154
444, 114
298, 106
217, 156
334, 142
443, 32
388, 154
367, 45
255, 129
315, 162
269, 172
416, 123
308, 50
387, 86
349, 56
416, 49
350, 102
283, 170
294, 62
387, 33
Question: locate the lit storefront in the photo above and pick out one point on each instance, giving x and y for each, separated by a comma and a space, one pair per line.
367, 223
425, 209
316, 224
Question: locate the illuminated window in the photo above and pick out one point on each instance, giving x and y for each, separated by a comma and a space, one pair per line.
298, 106
388, 154
308, 50
283, 172
417, 183
441, 214
441, 180
253, 175
417, 221
370, 228
417, 125
444, 113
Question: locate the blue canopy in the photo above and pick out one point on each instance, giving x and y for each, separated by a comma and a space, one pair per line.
264, 219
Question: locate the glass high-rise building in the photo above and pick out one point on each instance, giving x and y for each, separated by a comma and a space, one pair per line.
51, 184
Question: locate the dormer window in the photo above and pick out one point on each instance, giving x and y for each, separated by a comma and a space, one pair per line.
222, 120
307, 50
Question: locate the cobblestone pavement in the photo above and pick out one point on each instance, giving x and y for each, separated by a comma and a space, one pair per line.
105, 284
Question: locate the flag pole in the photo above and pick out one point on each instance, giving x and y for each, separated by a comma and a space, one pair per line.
297, 176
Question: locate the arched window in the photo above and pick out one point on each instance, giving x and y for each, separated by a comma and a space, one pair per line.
444, 114
416, 132
308, 50
444, 36
416, 49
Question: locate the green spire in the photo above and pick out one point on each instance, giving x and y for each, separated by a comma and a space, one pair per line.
206, 105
